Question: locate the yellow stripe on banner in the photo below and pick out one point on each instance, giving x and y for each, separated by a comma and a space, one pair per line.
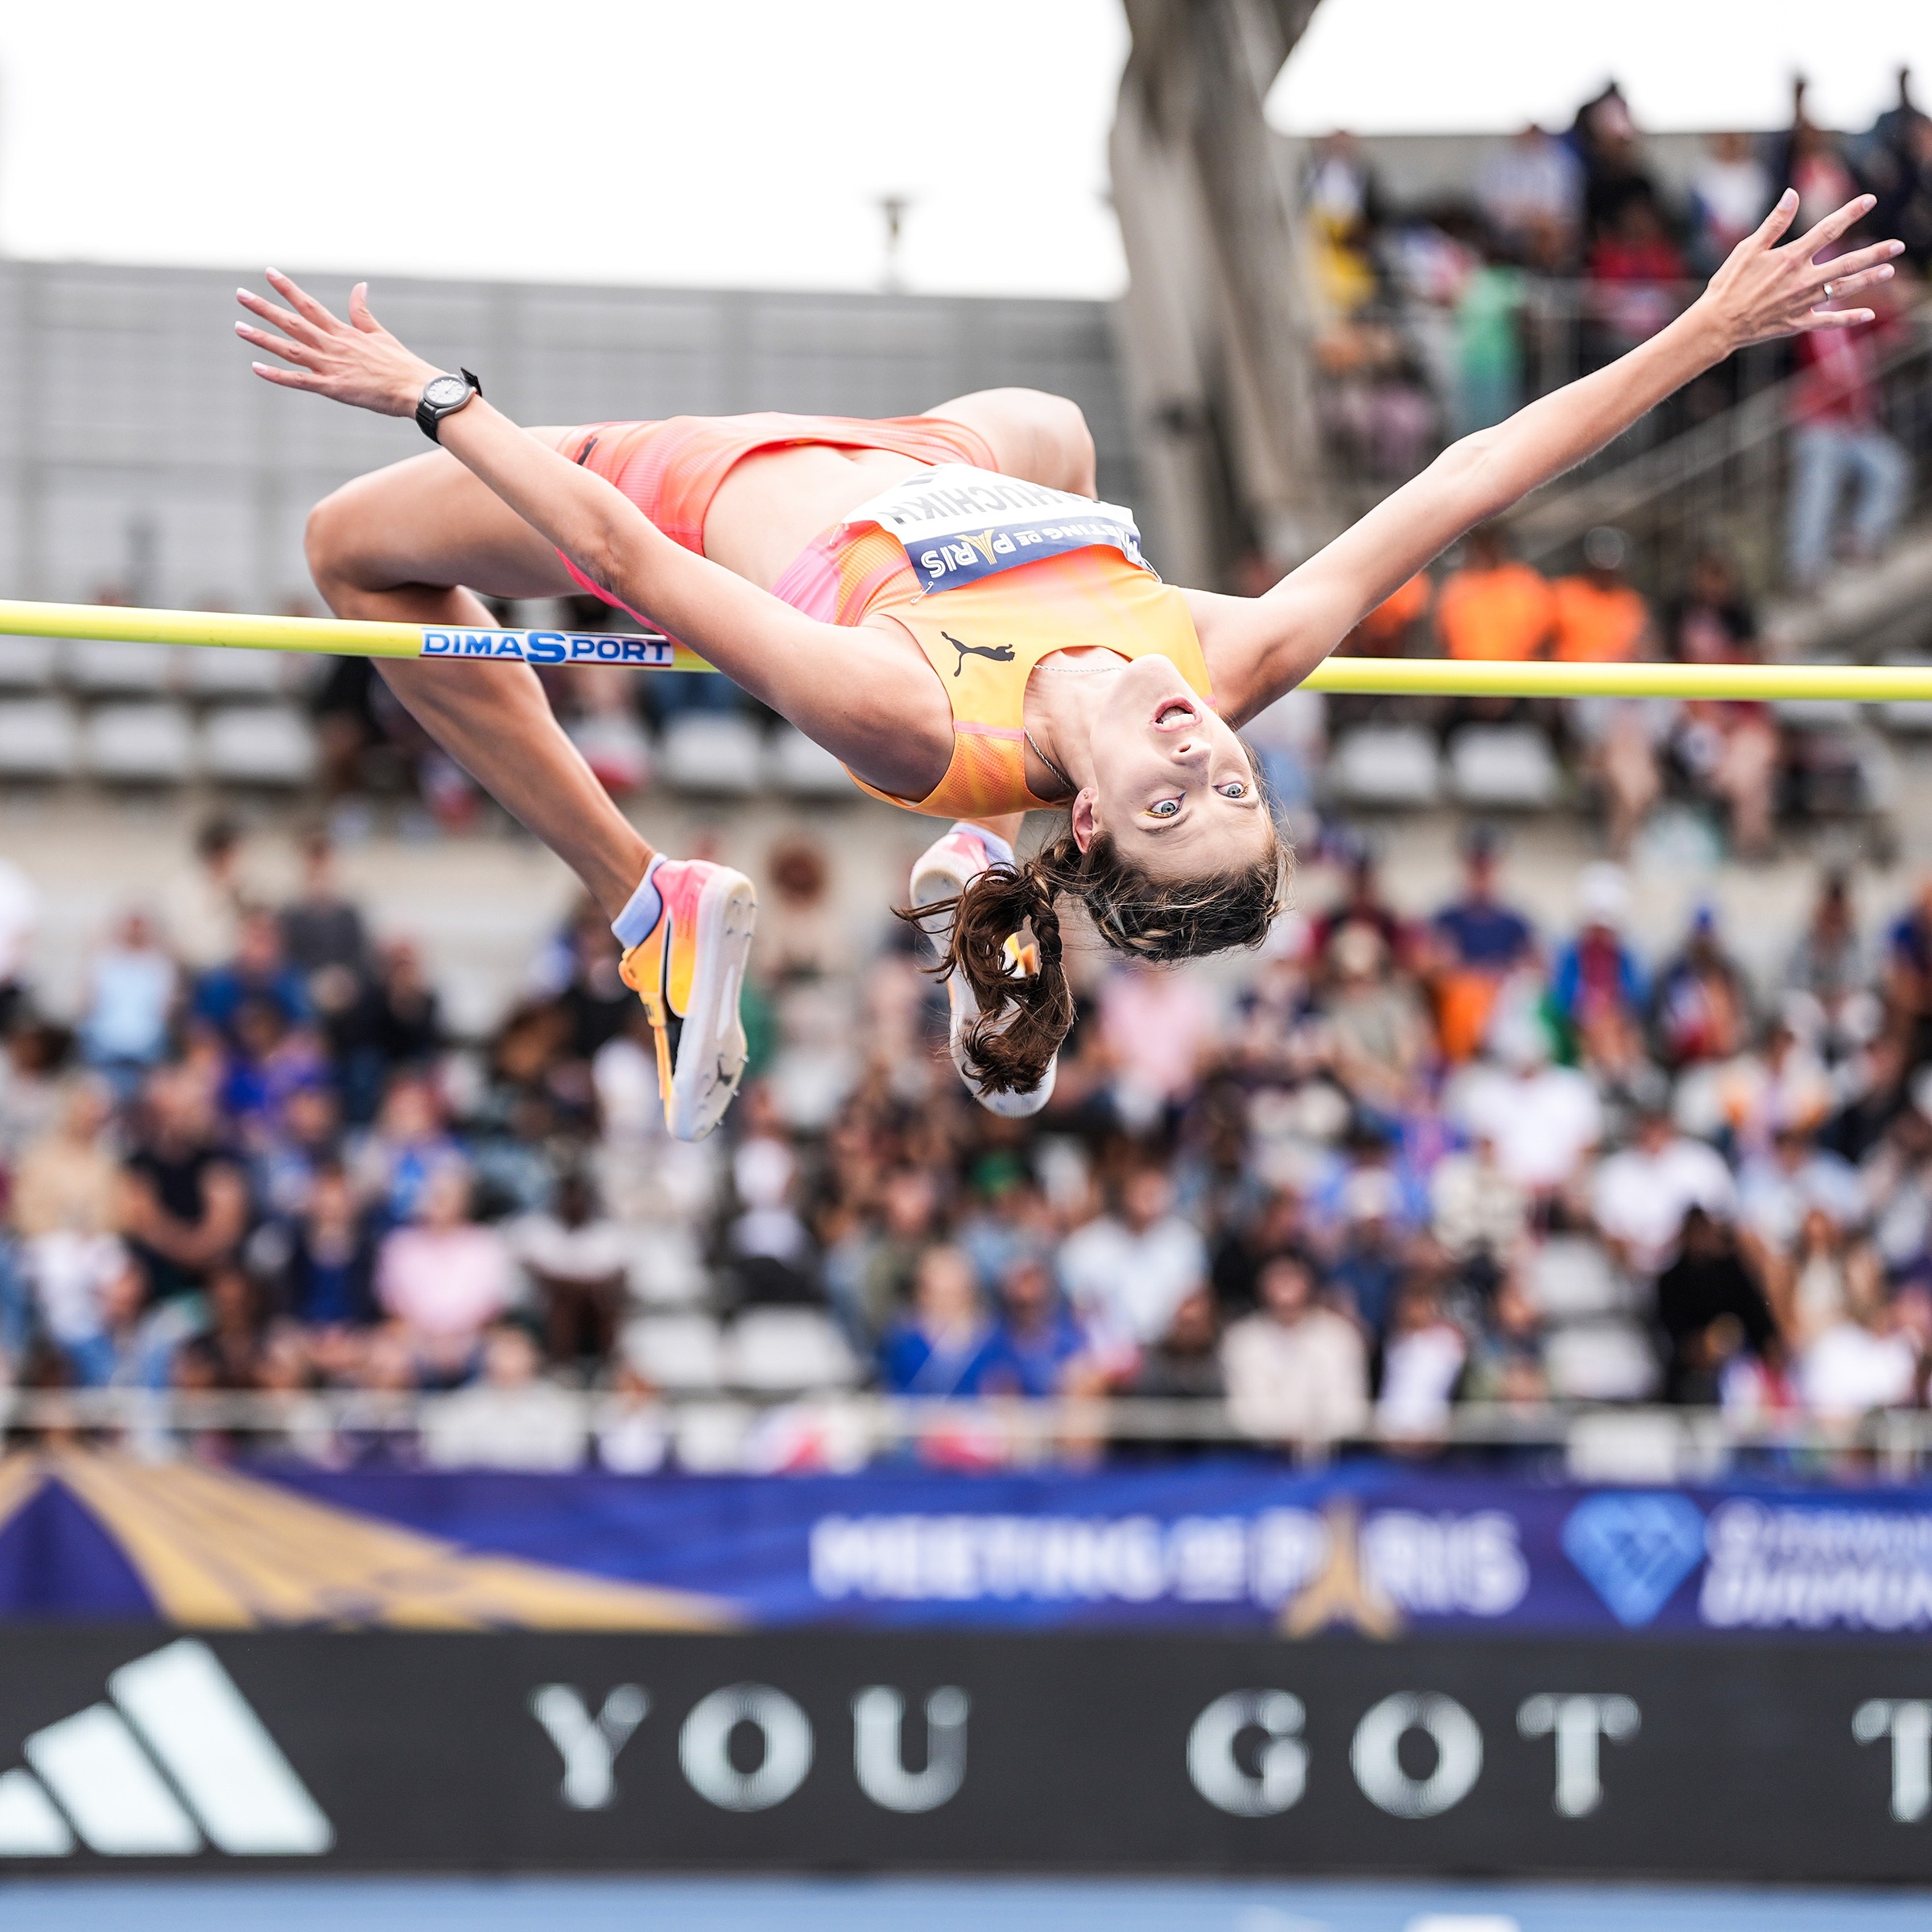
21, 1473
220, 1550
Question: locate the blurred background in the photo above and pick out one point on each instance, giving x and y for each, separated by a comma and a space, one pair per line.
1570, 1136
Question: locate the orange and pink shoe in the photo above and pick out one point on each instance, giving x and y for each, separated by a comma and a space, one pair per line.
944, 871
686, 934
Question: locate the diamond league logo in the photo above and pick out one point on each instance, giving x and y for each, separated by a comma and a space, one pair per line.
1635, 1549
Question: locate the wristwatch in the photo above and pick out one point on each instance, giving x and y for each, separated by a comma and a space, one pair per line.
444, 396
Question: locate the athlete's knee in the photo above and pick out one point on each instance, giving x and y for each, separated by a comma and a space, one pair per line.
331, 539
1062, 441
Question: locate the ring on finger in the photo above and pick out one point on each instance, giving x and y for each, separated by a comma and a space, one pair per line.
1828, 291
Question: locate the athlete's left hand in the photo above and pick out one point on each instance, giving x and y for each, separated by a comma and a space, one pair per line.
357, 361
1763, 290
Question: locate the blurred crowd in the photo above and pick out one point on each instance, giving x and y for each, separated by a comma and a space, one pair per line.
1406, 1159
1743, 770
1570, 248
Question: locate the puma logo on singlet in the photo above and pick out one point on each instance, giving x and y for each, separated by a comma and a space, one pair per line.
1001, 654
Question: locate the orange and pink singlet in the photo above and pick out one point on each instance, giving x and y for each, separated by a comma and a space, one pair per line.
989, 573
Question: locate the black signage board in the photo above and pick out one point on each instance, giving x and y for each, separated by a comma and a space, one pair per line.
123, 1748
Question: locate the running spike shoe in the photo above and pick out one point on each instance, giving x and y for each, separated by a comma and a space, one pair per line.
689, 970
941, 872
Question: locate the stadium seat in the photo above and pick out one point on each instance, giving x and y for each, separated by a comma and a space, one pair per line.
1572, 1278
676, 1352
105, 667
804, 770
1508, 767
666, 1269
615, 747
1600, 1361
140, 745
713, 753
787, 1350
1386, 765
258, 745
28, 663
40, 738
210, 671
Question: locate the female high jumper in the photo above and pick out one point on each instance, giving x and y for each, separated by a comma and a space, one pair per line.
937, 601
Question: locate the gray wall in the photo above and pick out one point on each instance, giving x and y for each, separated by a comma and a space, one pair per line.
137, 450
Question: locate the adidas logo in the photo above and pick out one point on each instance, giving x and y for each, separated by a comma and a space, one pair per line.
176, 1760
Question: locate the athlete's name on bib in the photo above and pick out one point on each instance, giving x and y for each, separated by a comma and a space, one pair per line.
959, 524
551, 647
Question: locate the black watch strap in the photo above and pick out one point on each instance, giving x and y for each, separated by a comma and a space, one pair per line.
429, 415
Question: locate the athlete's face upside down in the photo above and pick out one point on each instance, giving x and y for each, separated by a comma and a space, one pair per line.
1172, 785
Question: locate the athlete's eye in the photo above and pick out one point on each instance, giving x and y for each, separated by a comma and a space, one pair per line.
1164, 808
1235, 790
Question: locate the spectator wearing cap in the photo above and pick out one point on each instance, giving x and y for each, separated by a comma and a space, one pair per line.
1598, 984
1478, 941
1296, 1371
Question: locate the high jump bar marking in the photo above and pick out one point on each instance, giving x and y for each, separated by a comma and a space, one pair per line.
344, 636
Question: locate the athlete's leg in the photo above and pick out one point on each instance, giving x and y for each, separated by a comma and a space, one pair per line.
401, 544
1041, 437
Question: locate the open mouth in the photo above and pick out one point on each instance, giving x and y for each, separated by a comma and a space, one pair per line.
1175, 715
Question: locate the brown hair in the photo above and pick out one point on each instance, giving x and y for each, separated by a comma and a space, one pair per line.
1023, 1018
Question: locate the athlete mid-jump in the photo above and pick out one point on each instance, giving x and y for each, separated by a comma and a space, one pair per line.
938, 602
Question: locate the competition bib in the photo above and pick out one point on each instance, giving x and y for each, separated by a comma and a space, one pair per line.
959, 524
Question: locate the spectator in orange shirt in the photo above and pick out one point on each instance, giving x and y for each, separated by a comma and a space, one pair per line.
1493, 607
1600, 617
1384, 632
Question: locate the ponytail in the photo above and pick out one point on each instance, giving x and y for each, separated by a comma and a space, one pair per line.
1025, 1015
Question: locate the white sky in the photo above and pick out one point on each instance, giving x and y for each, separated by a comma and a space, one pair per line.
745, 142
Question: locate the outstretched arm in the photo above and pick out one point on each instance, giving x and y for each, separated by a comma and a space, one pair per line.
774, 651
1259, 649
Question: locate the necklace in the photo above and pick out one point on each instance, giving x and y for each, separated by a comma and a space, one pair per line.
1047, 761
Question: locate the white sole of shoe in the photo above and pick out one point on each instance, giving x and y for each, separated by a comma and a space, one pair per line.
711, 1046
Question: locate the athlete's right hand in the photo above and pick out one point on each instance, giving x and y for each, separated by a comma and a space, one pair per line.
357, 361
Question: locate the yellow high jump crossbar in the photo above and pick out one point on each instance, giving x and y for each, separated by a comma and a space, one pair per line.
1444, 677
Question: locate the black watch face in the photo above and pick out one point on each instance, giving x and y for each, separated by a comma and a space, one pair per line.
445, 391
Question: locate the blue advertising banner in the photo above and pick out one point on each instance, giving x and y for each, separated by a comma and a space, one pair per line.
1231, 1546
